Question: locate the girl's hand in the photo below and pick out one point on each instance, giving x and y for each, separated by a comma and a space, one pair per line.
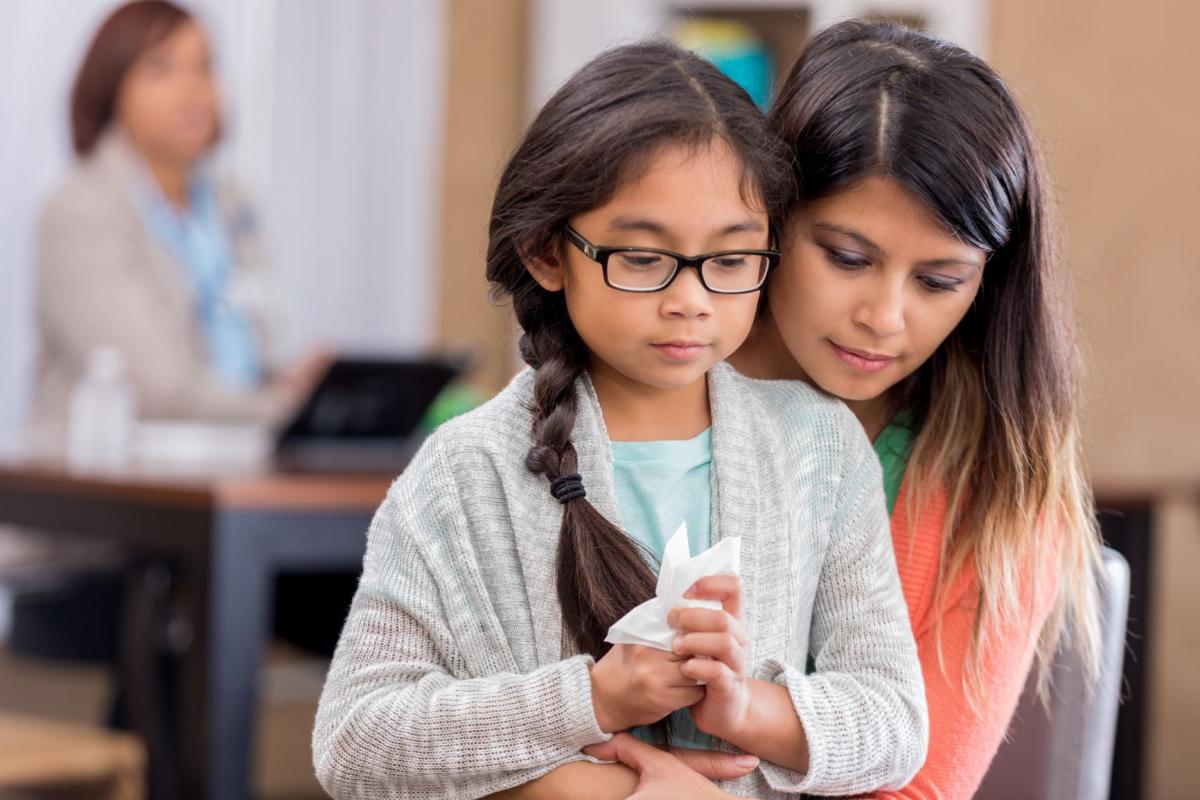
634, 685
665, 776
714, 643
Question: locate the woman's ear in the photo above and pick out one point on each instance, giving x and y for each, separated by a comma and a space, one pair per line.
546, 269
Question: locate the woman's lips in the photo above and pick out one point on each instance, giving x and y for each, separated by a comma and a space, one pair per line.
860, 360
679, 351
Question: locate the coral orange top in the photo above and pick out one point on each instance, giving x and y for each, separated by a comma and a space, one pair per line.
962, 740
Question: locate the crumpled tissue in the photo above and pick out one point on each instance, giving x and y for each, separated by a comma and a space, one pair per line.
647, 624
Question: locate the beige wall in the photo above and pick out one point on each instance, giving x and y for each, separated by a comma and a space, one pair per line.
485, 114
1112, 93
1112, 89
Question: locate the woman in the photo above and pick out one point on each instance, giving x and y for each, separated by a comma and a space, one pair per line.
921, 285
142, 250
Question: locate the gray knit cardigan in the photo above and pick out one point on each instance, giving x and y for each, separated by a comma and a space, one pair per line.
453, 679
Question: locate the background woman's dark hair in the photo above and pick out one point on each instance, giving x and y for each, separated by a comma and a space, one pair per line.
605, 123
998, 401
122, 38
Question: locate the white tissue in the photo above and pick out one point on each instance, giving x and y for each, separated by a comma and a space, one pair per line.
647, 624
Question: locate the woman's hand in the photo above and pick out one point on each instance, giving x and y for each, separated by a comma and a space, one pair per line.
714, 643
634, 685
304, 376
666, 776
582, 780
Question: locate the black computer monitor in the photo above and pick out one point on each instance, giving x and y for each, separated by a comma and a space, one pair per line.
364, 415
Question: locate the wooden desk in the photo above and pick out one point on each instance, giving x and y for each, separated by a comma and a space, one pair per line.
222, 538
225, 537
40, 756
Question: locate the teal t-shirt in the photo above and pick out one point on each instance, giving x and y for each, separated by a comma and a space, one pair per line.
659, 485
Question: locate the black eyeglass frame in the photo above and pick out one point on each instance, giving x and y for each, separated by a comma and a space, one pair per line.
601, 255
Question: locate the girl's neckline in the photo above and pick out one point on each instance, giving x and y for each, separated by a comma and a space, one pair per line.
704, 438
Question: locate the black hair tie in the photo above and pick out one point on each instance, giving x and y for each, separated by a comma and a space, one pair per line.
567, 487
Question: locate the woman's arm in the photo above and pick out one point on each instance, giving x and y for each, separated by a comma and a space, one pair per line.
579, 779
589, 781
662, 776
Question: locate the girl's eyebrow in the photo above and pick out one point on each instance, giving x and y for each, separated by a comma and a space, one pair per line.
623, 223
879, 251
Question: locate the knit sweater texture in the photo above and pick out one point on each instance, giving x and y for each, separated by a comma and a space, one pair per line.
453, 677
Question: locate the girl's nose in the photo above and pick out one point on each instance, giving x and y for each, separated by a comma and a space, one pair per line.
686, 296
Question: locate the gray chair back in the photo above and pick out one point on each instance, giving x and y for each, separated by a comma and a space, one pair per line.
1067, 754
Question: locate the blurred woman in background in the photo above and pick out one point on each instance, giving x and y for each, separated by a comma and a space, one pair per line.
142, 250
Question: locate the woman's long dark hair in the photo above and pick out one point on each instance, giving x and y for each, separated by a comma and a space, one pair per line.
605, 123
997, 402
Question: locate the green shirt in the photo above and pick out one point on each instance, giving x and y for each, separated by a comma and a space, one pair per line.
659, 485
893, 445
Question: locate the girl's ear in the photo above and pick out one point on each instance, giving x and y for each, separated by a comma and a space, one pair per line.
546, 269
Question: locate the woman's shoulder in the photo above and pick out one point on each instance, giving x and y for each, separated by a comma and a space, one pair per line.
92, 189
83, 191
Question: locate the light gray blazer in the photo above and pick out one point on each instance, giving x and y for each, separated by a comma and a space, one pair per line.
103, 279
452, 678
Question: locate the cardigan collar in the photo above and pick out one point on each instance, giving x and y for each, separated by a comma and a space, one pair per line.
735, 471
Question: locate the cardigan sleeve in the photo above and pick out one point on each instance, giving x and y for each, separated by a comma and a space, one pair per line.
863, 709
400, 716
964, 737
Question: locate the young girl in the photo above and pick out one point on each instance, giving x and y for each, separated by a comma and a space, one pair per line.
631, 231
921, 285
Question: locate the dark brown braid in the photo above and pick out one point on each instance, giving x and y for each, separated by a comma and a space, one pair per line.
602, 572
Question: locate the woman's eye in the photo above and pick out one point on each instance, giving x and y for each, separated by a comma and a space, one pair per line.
939, 285
731, 262
844, 259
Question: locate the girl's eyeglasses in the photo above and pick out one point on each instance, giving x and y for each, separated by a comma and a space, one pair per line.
648, 269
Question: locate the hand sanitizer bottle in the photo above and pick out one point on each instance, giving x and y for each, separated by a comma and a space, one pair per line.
100, 423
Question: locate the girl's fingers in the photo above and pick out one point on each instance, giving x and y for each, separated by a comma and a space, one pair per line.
707, 620
724, 588
716, 675
721, 647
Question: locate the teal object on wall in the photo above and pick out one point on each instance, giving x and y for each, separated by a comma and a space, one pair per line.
735, 50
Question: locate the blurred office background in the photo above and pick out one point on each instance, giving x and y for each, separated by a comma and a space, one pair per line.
371, 132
